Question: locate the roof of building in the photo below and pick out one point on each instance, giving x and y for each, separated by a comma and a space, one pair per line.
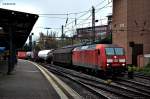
18, 23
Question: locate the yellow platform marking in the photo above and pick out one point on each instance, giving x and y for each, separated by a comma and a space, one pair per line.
53, 80
73, 93
58, 90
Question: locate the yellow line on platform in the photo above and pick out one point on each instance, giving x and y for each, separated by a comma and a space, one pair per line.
58, 84
69, 90
56, 87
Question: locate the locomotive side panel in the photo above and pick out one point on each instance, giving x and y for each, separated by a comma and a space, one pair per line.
100, 57
85, 56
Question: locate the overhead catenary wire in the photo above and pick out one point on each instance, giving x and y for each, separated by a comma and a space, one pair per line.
80, 23
79, 14
71, 29
84, 13
63, 14
100, 3
71, 18
53, 14
103, 7
97, 10
77, 18
63, 18
90, 22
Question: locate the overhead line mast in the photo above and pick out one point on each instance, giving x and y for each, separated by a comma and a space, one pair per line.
93, 22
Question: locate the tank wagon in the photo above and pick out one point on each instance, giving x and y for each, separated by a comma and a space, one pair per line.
109, 58
45, 56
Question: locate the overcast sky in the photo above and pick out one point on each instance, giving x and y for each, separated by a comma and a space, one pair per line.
60, 7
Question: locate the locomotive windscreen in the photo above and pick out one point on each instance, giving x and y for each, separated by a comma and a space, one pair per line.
114, 51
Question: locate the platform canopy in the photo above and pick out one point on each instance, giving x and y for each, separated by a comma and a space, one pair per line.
18, 23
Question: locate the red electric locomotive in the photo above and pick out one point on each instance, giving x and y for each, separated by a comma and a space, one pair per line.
105, 57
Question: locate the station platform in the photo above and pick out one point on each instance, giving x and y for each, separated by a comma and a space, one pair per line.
26, 82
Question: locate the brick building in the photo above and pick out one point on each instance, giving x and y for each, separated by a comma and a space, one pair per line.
131, 28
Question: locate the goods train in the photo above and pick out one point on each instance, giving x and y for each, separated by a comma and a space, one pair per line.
108, 58
99, 57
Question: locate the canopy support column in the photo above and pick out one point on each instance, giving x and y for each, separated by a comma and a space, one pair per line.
11, 58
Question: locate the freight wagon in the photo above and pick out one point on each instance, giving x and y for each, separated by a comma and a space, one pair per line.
22, 55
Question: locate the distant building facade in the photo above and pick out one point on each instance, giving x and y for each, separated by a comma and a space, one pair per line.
87, 33
101, 32
131, 28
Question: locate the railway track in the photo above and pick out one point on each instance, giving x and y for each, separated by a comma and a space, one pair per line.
140, 75
138, 81
134, 85
100, 87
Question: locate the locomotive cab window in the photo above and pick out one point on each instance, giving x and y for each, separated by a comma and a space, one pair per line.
119, 51
110, 51
114, 51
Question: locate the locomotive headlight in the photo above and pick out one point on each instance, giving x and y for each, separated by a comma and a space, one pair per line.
123, 64
122, 60
109, 60
108, 64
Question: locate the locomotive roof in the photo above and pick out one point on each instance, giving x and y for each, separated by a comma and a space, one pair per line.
68, 49
94, 46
